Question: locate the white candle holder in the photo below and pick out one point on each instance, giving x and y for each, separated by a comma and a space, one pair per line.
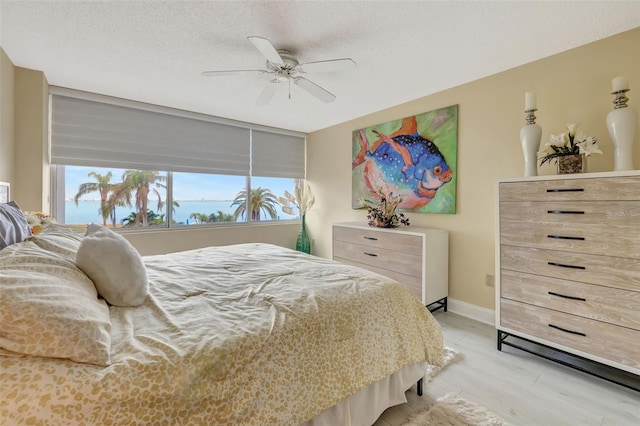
621, 123
530, 135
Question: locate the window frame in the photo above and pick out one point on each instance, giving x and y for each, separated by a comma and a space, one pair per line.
58, 206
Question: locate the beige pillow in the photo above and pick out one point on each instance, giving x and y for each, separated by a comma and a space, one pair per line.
115, 267
50, 308
59, 239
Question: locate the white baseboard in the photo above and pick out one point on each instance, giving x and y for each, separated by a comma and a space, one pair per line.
468, 310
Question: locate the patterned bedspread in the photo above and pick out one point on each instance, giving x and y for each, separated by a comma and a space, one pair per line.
250, 334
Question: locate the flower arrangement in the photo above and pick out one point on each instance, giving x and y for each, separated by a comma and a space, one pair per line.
382, 213
38, 221
303, 199
568, 143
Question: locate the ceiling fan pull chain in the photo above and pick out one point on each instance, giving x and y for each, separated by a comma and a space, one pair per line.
289, 88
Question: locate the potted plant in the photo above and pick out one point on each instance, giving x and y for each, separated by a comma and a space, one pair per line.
303, 200
569, 150
382, 213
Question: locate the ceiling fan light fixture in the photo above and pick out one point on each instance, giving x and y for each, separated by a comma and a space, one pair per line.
285, 67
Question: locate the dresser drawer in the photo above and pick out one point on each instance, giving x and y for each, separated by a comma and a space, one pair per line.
406, 263
604, 213
613, 240
411, 244
611, 342
413, 283
610, 188
616, 272
614, 306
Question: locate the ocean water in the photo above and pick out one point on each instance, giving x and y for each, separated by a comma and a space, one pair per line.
88, 211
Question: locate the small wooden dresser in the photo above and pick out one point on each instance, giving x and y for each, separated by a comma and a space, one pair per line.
568, 265
416, 257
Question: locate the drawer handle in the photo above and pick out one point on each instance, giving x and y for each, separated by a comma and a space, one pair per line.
562, 265
564, 212
371, 254
371, 238
567, 331
566, 190
553, 293
564, 237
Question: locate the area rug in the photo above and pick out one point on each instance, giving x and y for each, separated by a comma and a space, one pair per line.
450, 356
451, 410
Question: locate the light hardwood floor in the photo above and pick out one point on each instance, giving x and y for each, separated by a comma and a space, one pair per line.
521, 388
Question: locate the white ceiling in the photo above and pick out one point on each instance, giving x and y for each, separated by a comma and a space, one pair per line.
155, 51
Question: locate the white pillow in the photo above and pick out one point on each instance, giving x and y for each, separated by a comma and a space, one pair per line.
50, 308
115, 267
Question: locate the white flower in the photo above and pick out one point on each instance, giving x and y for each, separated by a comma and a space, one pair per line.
587, 145
568, 144
573, 127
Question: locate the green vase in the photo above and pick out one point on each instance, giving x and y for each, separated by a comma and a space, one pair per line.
303, 243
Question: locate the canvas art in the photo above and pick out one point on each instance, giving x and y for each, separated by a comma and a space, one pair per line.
4, 192
415, 157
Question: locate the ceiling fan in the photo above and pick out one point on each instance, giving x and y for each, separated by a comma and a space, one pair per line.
284, 67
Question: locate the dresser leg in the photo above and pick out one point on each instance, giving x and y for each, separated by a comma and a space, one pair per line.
419, 387
438, 304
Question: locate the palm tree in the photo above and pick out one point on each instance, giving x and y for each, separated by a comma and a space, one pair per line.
199, 217
120, 197
153, 218
144, 183
220, 216
103, 186
261, 199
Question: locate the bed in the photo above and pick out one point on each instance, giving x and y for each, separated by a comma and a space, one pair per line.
248, 334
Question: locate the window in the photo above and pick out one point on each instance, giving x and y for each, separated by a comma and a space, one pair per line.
129, 164
110, 196
202, 198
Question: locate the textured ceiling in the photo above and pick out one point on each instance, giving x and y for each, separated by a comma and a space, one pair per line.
156, 51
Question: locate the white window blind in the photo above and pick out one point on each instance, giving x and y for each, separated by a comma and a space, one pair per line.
277, 155
88, 132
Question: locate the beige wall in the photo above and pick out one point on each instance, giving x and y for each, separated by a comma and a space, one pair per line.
573, 86
166, 241
7, 113
31, 176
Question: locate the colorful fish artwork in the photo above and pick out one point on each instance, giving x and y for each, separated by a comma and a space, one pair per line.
415, 157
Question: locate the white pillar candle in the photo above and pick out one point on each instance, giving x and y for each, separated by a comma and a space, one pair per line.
529, 101
619, 83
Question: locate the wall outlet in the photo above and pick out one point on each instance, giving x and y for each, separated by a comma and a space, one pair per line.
489, 280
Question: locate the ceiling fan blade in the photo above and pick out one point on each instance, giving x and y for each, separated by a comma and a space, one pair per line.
267, 93
331, 65
266, 48
234, 72
314, 89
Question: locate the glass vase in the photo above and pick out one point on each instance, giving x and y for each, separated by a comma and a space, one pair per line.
303, 243
575, 163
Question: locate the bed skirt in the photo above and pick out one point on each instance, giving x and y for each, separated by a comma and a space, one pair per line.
364, 407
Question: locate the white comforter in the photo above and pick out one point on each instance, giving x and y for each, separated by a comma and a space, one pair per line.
250, 334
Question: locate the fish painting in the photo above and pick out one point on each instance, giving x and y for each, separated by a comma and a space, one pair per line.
408, 162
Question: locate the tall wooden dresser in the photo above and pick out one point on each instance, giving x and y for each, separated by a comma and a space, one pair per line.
415, 257
568, 265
